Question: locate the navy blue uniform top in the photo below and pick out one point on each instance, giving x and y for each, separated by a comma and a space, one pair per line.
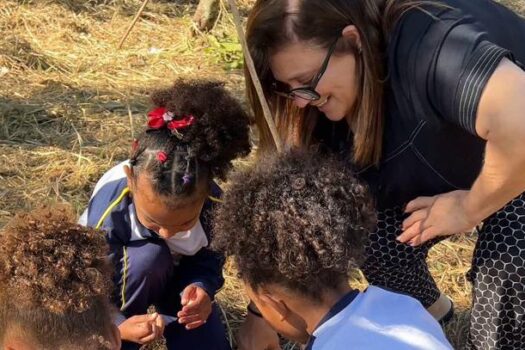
111, 209
437, 68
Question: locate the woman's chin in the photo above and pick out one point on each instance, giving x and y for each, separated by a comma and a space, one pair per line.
333, 116
330, 111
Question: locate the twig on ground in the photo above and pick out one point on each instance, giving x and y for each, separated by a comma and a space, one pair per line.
137, 16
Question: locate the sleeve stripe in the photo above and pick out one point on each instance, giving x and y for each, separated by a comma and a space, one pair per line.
124, 279
111, 207
215, 199
478, 84
472, 85
463, 106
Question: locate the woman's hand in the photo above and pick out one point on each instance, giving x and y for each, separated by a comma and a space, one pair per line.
142, 329
196, 307
256, 334
440, 215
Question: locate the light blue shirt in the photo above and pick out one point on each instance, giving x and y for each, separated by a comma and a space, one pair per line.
377, 319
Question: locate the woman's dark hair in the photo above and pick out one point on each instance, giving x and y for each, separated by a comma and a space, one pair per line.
299, 221
272, 24
199, 152
55, 281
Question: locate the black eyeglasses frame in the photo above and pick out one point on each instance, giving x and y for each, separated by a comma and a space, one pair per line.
308, 92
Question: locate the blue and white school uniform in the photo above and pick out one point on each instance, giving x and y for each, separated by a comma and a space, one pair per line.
377, 319
149, 270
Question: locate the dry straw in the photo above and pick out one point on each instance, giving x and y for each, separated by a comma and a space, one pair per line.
69, 102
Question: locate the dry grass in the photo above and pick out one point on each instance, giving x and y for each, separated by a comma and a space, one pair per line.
70, 103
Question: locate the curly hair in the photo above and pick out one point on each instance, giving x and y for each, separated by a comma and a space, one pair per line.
299, 220
204, 150
55, 279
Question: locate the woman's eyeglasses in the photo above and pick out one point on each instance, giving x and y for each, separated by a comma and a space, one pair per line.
308, 92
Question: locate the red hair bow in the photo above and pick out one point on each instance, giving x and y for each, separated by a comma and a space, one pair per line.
160, 117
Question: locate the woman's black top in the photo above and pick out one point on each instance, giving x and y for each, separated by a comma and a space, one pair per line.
438, 65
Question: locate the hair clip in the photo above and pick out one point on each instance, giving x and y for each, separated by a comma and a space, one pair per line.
298, 183
162, 157
187, 179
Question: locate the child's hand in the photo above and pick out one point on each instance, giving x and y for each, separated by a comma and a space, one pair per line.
196, 307
142, 329
256, 334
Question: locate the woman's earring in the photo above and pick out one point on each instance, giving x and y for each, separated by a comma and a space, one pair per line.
360, 50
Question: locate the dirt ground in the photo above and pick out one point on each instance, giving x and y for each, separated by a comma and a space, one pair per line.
71, 102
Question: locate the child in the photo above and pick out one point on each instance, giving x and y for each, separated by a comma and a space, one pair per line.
296, 227
55, 280
155, 209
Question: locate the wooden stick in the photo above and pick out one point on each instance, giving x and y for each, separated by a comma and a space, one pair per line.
255, 78
137, 16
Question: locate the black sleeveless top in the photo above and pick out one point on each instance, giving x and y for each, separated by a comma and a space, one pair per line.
438, 65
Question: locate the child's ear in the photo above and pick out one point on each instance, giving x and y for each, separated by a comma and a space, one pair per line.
275, 303
129, 175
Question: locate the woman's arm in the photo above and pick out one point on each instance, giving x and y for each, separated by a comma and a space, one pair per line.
501, 122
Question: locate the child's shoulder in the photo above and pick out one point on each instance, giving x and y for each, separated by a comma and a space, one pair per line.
110, 192
401, 317
113, 179
376, 293
215, 191
381, 319
386, 304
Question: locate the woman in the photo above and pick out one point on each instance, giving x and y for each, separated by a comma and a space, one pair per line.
425, 99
